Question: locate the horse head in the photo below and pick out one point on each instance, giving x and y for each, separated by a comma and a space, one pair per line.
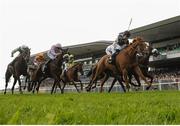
77, 68
137, 46
59, 59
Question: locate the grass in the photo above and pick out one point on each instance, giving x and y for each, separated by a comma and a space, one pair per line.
91, 108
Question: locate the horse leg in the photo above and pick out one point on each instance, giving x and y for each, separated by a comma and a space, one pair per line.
59, 85
122, 85
137, 79
29, 86
19, 81
53, 86
15, 80
5, 88
114, 81
95, 84
76, 86
38, 85
102, 83
62, 90
34, 87
25, 84
98, 72
126, 79
149, 76
139, 73
81, 85
8, 75
39, 82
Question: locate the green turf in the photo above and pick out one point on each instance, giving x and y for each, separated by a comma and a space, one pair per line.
91, 108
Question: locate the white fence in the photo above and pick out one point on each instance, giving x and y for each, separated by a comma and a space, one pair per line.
117, 88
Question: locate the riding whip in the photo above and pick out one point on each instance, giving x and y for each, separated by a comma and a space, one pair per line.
129, 24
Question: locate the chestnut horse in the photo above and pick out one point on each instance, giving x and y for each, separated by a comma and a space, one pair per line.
17, 68
143, 64
72, 76
111, 72
125, 60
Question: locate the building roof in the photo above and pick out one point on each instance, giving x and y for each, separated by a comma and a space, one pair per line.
87, 48
159, 31
156, 32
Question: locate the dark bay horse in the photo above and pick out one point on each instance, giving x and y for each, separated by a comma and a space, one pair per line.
17, 68
54, 70
72, 76
125, 60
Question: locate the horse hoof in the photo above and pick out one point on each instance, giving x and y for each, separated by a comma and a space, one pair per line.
87, 90
4, 92
147, 88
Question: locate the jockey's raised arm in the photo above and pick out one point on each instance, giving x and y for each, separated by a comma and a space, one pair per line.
19, 49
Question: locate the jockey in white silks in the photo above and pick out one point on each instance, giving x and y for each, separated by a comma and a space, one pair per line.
52, 53
120, 43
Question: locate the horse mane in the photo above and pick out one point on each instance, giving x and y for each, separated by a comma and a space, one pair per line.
138, 38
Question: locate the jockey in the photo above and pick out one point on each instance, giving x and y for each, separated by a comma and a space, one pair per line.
20, 49
120, 43
39, 59
52, 53
71, 61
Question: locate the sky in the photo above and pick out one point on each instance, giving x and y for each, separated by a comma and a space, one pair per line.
42, 23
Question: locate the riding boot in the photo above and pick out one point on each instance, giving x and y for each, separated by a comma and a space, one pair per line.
44, 67
114, 57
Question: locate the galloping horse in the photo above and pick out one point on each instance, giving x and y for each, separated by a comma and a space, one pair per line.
72, 76
17, 68
126, 59
111, 72
54, 71
143, 62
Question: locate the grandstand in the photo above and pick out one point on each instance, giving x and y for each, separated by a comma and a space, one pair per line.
163, 35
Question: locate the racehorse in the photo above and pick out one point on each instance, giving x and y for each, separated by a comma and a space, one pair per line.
143, 62
54, 71
126, 59
71, 75
111, 72
17, 68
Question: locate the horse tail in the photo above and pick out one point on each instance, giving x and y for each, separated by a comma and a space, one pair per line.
93, 69
8, 73
89, 73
